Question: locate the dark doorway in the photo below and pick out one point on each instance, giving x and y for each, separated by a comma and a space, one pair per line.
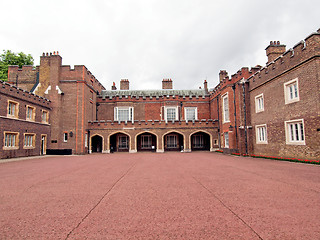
173, 142
146, 142
119, 142
96, 144
200, 141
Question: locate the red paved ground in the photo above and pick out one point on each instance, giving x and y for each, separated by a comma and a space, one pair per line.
159, 196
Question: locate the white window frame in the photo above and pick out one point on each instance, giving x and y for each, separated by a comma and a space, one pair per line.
65, 137
261, 134
259, 103
295, 133
226, 140
130, 110
225, 111
195, 109
166, 113
287, 91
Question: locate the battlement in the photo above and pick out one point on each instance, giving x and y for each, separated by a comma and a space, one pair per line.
300, 53
19, 93
243, 73
109, 124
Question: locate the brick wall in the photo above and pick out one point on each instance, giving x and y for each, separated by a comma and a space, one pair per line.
20, 124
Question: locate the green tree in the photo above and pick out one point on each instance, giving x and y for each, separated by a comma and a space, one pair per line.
8, 58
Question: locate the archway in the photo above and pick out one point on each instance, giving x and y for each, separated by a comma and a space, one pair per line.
200, 141
146, 142
96, 143
173, 141
119, 142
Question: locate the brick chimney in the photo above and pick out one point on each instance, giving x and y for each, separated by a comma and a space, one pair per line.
124, 84
274, 50
113, 87
222, 75
205, 86
167, 84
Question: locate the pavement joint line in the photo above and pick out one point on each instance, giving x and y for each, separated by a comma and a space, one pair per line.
100, 200
215, 196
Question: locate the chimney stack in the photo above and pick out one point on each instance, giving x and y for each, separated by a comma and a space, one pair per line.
205, 86
222, 75
113, 87
167, 83
124, 84
274, 50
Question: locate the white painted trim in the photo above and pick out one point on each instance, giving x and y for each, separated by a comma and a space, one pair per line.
286, 93
288, 141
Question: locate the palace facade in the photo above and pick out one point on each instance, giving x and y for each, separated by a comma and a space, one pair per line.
265, 110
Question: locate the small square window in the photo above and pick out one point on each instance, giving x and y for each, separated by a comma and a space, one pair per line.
190, 113
171, 113
261, 134
259, 103
29, 140
295, 132
11, 140
291, 91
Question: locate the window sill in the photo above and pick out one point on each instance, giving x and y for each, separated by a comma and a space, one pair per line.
292, 101
29, 147
295, 143
10, 148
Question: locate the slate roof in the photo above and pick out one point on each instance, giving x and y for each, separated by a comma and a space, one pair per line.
153, 93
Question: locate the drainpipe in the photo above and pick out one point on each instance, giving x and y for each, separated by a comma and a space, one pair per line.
245, 114
219, 142
235, 112
97, 105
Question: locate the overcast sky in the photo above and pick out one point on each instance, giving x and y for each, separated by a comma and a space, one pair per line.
148, 40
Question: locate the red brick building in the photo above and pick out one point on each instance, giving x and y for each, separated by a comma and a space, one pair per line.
73, 94
285, 101
153, 120
271, 110
24, 122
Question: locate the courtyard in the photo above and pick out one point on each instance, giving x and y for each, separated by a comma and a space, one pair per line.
199, 195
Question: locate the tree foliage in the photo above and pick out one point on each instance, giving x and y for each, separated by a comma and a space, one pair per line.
8, 58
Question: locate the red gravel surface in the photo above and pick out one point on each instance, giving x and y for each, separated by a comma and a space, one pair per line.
159, 196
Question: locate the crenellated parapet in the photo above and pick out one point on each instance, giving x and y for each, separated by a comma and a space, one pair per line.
18, 93
300, 53
109, 124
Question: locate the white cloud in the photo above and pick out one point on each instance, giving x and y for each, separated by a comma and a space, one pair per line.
148, 40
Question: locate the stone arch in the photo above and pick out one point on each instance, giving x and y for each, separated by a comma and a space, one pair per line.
200, 140
179, 139
154, 140
96, 143
119, 141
